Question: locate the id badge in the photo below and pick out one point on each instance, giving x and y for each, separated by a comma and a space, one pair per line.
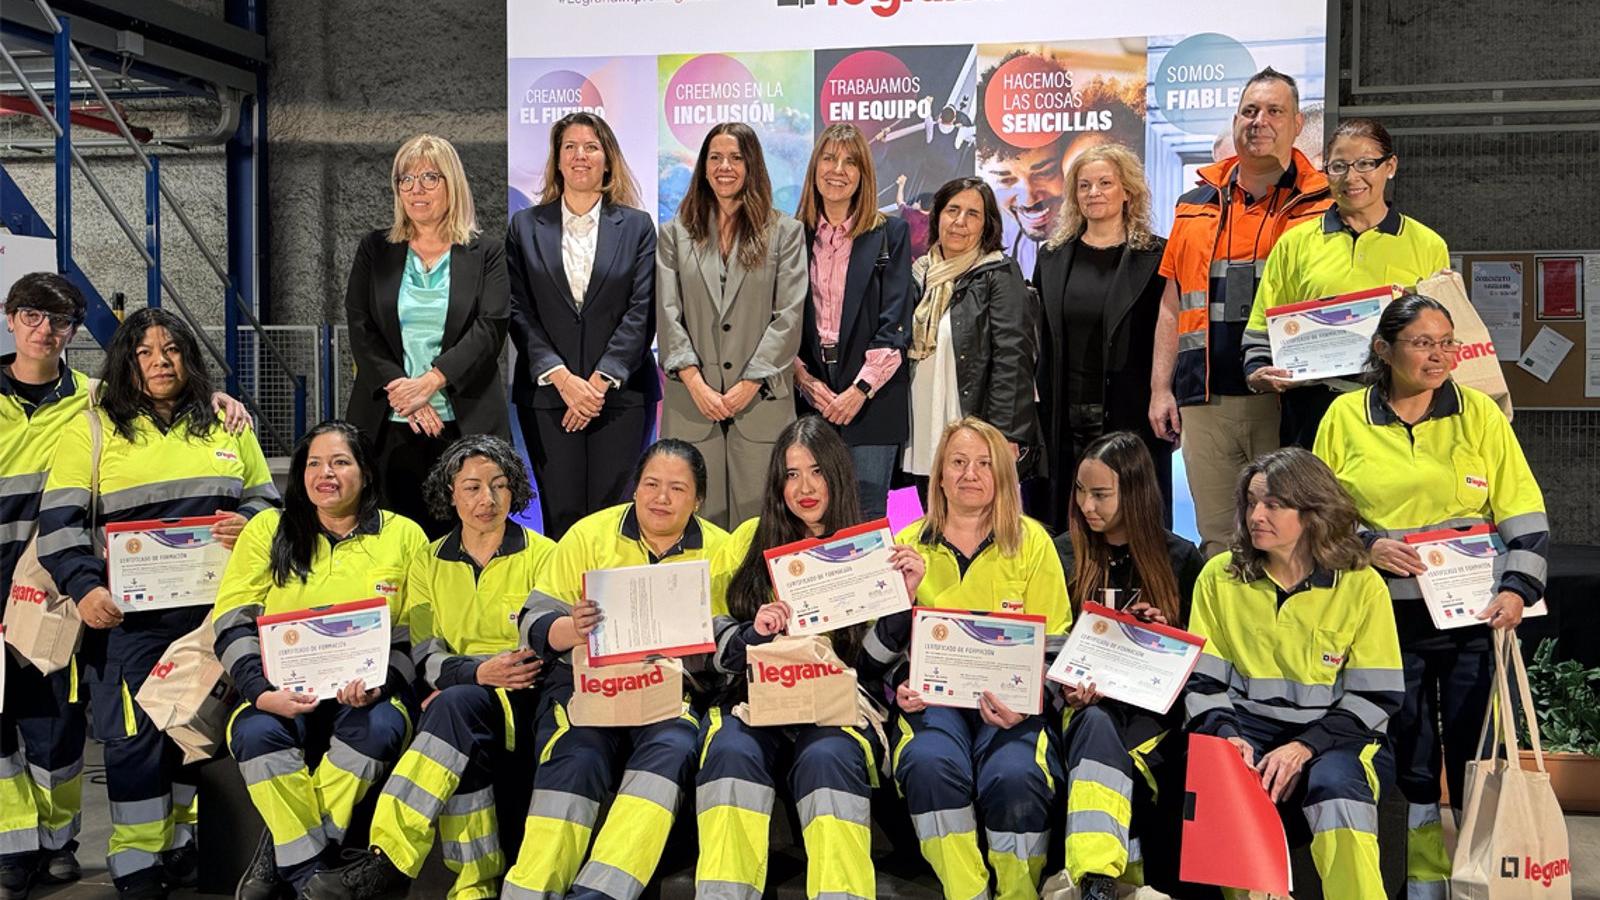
1239, 291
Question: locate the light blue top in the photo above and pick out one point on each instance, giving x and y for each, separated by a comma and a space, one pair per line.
424, 301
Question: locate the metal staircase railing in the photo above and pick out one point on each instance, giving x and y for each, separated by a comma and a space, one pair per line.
148, 246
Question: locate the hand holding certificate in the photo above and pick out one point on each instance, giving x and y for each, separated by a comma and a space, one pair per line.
1326, 338
659, 610
956, 656
1141, 663
838, 581
1463, 567
164, 563
323, 650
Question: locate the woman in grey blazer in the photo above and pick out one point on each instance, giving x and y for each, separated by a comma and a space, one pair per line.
730, 293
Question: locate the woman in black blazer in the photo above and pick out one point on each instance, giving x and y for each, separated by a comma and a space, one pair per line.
427, 309
1099, 292
582, 270
851, 367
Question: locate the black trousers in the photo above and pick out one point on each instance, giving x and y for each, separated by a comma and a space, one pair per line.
584, 471
404, 460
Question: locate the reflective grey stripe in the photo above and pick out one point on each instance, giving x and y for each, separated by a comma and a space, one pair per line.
420, 652
944, 822
839, 804
162, 492
258, 498
1192, 300
413, 796
1421, 815
1399, 534
358, 764
470, 802
734, 792
440, 751
533, 615
1355, 815
726, 629
657, 789
1021, 844
400, 661
838, 895
1094, 821
52, 779
1303, 695
512, 891
1218, 313
579, 810
1196, 704
1219, 267
61, 540
1053, 643
1427, 890
13, 765
302, 849
55, 839
1214, 667
877, 649
1103, 775
15, 532
473, 850
141, 812
1529, 563
1277, 713
1370, 714
400, 634
1191, 340
1373, 680
1135, 852
239, 615
22, 840
128, 862
1404, 589
1514, 527
608, 880
239, 648
64, 498
28, 483
277, 764
720, 890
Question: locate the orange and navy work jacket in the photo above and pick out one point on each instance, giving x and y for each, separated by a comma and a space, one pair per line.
1217, 225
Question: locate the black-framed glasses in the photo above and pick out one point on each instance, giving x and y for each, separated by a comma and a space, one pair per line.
429, 181
59, 323
1339, 168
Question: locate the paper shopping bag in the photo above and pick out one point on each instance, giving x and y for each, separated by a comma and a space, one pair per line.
43, 626
1513, 839
800, 681
1477, 366
624, 694
188, 695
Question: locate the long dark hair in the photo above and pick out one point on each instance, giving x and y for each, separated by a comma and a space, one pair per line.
1305, 484
1397, 317
616, 186
122, 391
295, 542
755, 216
751, 587
1139, 506
990, 239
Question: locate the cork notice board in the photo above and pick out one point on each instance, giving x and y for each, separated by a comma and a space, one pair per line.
1566, 387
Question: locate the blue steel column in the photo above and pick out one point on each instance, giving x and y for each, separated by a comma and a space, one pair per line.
246, 217
63, 104
152, 231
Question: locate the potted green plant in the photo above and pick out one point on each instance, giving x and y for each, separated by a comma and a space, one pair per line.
1566, 699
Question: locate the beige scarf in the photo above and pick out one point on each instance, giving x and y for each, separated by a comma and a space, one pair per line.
938, 277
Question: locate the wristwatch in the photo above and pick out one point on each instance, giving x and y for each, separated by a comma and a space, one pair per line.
865, 387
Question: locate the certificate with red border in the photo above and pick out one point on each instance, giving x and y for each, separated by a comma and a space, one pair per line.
659, 610
1142, 663
958, 654
164, 563
840, 580
1327, 338
1463, 567
321, 650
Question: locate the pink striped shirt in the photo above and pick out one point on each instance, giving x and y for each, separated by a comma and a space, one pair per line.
830, 264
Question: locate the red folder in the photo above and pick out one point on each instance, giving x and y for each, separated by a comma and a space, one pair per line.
1232, 835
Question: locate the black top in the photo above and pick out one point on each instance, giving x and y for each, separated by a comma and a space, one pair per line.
1084, 313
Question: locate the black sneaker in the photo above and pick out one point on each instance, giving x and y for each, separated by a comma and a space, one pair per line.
149, 884
1098, 887
59, 867
261, 880
370, 877
16, 879
181, 867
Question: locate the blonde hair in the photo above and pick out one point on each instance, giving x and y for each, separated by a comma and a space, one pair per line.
864, 205
1135, 209
460, 220
617, 186
1005, 515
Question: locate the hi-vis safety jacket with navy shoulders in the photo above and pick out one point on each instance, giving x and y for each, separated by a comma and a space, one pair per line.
1320, 660
460, 614
28, 437
1217, 224
1461, 465
371, 563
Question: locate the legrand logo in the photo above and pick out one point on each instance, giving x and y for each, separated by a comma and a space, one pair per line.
884, 8
611, 687
793, 674
23, 593
1544, 873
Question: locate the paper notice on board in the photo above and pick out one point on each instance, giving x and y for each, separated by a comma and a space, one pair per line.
1545, 353
1497, 295
1591, 327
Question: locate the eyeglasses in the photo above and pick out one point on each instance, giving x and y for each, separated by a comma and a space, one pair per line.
428, 180
1427, 345
1339, 168
59, 324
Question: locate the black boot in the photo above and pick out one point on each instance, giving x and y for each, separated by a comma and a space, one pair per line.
261, 880
370, 877
17, 877
59, 866
181, 867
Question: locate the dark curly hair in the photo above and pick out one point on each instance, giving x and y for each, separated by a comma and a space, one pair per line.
122, 389
439, 487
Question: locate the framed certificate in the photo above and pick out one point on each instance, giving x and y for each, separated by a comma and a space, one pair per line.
957, 655
838, 581
1326, 338
1463, 567
1141, 663
659, 610
164, 563
322, 650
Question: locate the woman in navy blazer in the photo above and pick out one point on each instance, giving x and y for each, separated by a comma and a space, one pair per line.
852, 368
582, 270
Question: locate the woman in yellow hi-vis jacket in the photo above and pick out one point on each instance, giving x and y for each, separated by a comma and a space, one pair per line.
1301, 667
579, 765
810, 492
462, 598
957, 766
308, 763
165, 454
1421, 453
